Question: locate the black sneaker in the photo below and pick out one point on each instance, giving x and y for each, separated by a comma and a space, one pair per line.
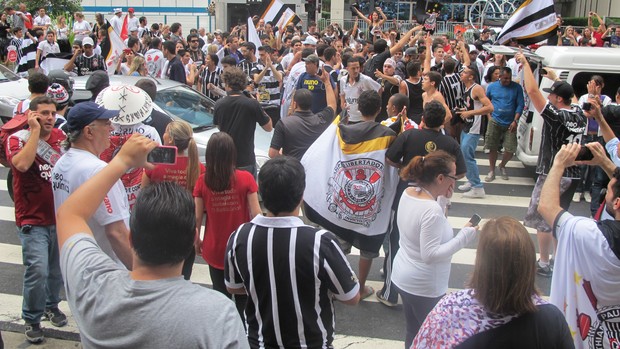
543, 270
55, 316
34, 333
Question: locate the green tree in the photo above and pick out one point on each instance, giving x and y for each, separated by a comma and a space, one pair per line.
54, 7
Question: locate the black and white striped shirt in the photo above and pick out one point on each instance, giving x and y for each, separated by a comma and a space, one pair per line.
291, 272
269, 87
561, 126
452, 88
212, 77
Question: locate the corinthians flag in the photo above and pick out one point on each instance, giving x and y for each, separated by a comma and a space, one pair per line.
280, 15
349, 188
532, 22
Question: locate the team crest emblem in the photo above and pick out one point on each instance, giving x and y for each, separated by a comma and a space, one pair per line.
355, 190
430, 146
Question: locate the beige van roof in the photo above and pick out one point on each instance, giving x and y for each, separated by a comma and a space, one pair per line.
599, 59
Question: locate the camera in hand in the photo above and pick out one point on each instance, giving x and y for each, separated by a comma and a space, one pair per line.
585, 154
587, 106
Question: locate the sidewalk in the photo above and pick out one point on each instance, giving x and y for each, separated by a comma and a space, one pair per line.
18, 340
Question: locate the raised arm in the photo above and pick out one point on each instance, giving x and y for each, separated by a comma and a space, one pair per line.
531, 87
403, 40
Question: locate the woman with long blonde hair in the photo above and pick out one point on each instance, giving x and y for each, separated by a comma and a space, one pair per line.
185, 172
138, 67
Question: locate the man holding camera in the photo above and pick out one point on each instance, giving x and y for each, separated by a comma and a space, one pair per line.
564, 123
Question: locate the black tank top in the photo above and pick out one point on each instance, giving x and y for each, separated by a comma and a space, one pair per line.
416, 103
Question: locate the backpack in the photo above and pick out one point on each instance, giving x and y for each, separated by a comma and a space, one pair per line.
17, 123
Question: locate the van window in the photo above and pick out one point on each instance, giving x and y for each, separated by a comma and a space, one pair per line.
612, 82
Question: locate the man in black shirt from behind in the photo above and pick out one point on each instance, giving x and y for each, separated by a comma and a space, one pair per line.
296, 133
238, 115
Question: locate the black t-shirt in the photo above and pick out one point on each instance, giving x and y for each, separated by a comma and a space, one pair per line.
295, 134
176, 71
544, 329
561, 126
416, 102
412, 143
376, 62
237, 115
159, 121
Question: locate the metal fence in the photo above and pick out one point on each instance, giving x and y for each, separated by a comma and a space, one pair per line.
347, 24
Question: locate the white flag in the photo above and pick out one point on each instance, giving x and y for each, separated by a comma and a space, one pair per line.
532, 22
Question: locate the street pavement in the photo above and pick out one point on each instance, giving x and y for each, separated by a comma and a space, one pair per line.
368, 325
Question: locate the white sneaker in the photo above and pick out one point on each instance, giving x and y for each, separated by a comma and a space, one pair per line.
576, 197
465, 187
587, 196
475, 193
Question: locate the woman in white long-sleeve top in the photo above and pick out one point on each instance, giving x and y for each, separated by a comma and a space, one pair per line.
422, 265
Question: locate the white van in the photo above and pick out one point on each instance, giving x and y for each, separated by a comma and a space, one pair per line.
574, 65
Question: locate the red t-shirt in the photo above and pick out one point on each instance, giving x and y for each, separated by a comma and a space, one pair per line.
226, 211
34, 199
599, 38
172, 173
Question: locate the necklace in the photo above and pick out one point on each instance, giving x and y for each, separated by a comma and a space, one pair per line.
419, 189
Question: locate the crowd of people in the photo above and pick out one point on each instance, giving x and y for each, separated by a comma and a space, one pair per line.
371, 133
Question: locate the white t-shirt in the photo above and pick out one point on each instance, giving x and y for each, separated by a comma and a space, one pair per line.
42, 21
422, 264
133, 22
72, 170
79, 28
586, 279
46, 48
154, 62
117, 24
352, 92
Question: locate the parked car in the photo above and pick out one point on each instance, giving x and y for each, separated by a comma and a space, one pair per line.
13, 89
179, 101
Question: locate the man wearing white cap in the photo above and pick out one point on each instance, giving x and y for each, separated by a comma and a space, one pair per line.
134, 106
116, 21
85, 63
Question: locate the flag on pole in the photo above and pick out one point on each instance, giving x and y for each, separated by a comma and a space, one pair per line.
28, 56
116, 47
280, 15
253, 34
531, 23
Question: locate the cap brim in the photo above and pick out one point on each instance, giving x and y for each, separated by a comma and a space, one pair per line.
108, 114
547, 89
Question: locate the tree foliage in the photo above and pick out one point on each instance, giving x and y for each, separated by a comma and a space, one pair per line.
54, 7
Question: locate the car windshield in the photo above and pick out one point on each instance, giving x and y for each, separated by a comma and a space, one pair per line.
7, 75
186, 104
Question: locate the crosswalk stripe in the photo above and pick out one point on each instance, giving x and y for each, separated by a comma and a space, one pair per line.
3, 185
514, 180
510, 164
495, 200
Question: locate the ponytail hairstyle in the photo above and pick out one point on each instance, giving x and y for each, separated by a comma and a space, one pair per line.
424, 169
181, 134
220, 160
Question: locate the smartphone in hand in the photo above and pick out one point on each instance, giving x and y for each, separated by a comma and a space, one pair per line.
163, 155
475, 220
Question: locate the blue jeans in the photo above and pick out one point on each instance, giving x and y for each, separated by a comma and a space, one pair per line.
42, 277
468, 148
